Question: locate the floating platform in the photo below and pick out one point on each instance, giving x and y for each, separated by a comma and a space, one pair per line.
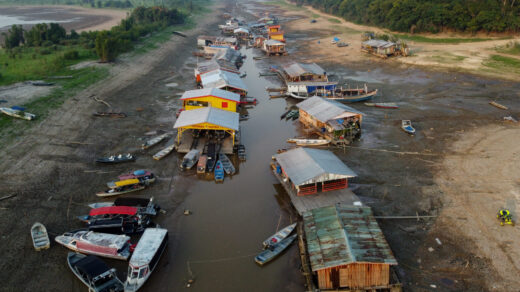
187, 143
322, 199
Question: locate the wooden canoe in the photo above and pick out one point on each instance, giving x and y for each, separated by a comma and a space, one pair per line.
40, 237
497, 105
201, 165
153, 141
121, 191
279, 236
219, 172
271, 253
226, 163
161, 154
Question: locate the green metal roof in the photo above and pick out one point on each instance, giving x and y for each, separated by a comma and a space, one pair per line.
343, 234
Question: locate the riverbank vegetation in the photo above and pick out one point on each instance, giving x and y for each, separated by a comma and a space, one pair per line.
427, 15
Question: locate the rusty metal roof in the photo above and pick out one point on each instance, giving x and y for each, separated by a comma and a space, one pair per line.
306, 165
221, 78
297, 69
344, 234
378, 43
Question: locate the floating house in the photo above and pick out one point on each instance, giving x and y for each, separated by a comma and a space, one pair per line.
212, 65
259, 41
206, 119
298, 72
331, 119
241, 33
379, 48
274, 47
230, 42
210, 97
348, 251
224, 80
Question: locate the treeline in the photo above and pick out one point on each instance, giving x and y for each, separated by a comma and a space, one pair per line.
106, 44
427, 15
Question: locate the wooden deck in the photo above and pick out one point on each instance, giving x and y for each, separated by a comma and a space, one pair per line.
305, 203
187, 141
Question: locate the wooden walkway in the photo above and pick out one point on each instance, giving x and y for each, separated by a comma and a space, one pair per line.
303, 204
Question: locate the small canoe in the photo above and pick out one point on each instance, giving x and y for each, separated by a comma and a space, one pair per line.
497, 105
153, 141
40, 237
18, 112
161, 154
406, 125
226, 163
219, 172
390, 105
241, 152
270, 253
201, 165
116, 159
94, 273
279, 236
309, 142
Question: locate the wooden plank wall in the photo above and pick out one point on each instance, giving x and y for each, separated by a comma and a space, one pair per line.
357, 275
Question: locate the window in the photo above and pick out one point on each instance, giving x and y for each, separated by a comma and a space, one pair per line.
224, 104
143, 272
196, 103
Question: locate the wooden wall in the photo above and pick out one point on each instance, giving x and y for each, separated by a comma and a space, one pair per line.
357, 275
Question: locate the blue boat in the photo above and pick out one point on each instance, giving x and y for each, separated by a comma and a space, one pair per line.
270, 253
406, 125
219, 172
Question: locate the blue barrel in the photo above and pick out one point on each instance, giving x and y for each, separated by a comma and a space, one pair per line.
278, 169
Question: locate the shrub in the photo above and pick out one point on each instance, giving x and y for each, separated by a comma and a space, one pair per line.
71, 55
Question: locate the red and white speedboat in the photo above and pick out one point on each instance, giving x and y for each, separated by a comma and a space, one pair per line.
95, 243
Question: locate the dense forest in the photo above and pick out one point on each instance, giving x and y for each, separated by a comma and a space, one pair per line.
427, 15
106, 44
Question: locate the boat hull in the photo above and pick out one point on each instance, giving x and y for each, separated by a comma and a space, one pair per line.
161, 154
40, 237
269, 255
92, 252
106, 194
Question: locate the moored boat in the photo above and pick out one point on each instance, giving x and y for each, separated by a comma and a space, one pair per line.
122, 187
279, 236
144, 206
219, 172
201, 165
190, 159
291, 114
352, 94
226, 164
270, 253
116, 159
142, 175
212, 157
146, 257
40, 237
389, 105
18, 112
153, 141
94, 273
308, 142
406, 125
241, 152
110, 212
161, 154
96, 243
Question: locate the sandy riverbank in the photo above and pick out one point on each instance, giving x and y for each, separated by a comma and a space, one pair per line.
469, 57
73, 17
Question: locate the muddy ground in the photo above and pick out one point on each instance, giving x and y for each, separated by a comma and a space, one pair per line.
51, 171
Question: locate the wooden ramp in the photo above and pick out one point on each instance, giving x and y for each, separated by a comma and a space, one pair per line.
305, 203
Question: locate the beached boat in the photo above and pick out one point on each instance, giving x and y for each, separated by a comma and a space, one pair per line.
308, 142
219, 172
95, 243
390, 105
241, 152
40, 83
116, 159
146, 257
341, 44
110, 212
352, 94
279, 236
144, 206
226, 164
110, 114
406, 125
18, 112
212, 157
142, 175
122, 187
270, 253
40, 237
497, 105
190, 159
155, 140
131, 225
161, 154
201, 165
94, 273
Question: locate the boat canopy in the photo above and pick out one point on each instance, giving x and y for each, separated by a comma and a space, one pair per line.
121, 210
148, 246
91, 266
140, 172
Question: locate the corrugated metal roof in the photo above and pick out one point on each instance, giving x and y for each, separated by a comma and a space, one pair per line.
324, 109
211, 91
273, 43
378, 43
343, 234
306, 165
241, 29
219, 79
220, 64
215, 116
297, 69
